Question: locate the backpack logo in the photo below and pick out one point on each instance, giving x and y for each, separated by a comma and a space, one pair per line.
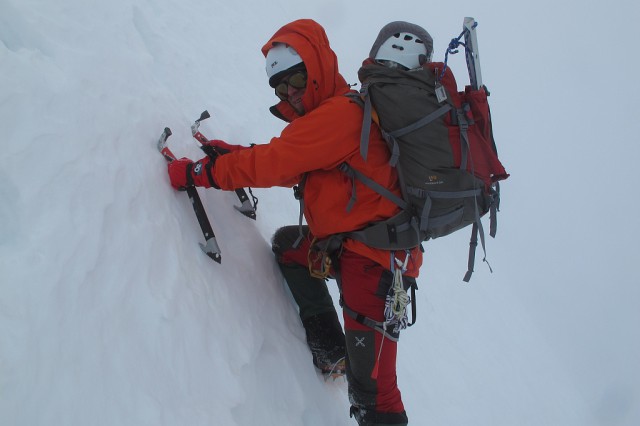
197, 169
360, 342
433, 180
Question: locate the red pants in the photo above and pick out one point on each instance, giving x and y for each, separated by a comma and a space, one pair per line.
371, 366
371, 358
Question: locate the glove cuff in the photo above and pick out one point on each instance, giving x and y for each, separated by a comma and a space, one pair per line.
202, 173
189, 170
209, 170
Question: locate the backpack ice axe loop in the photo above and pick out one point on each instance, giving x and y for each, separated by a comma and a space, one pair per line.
210, 248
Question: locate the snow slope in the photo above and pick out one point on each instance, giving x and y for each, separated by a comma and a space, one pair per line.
111, 315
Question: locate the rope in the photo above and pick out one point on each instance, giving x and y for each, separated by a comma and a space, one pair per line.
453, 49
395, 311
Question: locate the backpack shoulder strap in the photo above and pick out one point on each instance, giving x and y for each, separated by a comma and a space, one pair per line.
366, 121
364, 100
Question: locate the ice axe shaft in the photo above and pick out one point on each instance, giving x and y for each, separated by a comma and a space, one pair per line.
210, 247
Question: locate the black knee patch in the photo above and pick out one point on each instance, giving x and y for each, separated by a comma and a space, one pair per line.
284, 238
361, 352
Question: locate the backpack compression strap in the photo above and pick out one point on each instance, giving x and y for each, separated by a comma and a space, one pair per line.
366, 126
353, 173
395, 150
477, 229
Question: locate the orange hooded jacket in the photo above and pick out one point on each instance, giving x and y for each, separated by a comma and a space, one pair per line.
315, 144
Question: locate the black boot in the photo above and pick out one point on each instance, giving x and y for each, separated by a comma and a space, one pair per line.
372, 418
326, 342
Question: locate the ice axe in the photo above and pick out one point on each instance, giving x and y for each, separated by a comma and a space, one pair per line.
210, 247
246, 208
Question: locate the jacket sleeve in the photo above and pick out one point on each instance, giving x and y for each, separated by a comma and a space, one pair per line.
320, 140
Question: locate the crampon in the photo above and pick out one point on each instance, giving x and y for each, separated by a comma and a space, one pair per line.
334, 371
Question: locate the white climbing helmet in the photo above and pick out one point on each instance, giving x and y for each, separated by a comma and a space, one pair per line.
404, 43
403, 48
280, 58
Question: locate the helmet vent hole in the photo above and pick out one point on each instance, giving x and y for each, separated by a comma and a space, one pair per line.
395, 46
407, 37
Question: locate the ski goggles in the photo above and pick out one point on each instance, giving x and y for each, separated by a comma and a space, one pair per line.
297, 80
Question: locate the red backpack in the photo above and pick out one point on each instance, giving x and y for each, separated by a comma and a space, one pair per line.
441, 143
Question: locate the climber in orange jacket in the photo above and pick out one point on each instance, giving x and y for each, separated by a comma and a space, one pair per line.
324, 132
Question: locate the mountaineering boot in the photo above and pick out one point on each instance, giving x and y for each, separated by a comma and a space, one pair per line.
315, 305
372, 418
326, 342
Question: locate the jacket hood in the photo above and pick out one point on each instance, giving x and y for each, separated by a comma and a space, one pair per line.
324, 80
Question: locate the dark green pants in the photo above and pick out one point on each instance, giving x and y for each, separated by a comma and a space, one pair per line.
317, 312
311, 294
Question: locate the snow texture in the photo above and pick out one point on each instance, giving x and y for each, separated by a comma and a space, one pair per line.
111, 315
